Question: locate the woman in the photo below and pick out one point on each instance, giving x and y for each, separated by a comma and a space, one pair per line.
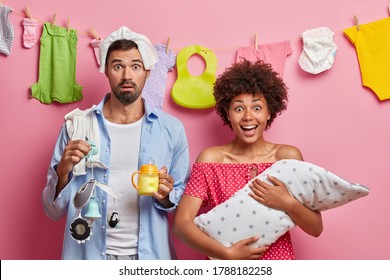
248, 97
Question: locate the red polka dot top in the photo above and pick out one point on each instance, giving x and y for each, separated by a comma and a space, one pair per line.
216, 182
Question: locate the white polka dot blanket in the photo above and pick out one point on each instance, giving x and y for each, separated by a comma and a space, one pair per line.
242, 217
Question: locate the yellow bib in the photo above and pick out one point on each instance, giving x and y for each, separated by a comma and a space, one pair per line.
195, 91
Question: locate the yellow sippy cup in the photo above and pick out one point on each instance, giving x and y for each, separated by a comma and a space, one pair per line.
147, 179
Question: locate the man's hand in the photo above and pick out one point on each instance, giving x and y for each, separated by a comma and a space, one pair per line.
164, 188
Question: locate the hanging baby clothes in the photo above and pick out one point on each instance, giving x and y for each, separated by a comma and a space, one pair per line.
6, 31
95, 44
372, 45
273, 53
155, 85
195, 92
319, 50
57, 66
29, 32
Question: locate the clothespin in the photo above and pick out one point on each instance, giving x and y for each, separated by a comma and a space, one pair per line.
53, 20
68, 27
94, 34
167, 46
27, 12
255, 39
357, 23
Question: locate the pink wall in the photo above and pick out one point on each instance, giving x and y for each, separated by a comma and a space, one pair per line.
335, 121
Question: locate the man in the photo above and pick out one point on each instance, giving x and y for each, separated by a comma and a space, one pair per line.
127, 133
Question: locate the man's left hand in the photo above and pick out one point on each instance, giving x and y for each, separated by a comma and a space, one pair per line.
164, 188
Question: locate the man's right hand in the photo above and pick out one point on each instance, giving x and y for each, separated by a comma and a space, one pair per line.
74, 152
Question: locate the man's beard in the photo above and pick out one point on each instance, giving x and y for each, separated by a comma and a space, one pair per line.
127, 97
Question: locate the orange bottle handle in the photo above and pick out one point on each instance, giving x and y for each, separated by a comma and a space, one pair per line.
132, 179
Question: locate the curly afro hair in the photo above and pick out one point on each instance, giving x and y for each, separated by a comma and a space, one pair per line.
247, 77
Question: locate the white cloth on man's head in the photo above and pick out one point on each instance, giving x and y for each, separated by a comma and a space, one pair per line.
145, 47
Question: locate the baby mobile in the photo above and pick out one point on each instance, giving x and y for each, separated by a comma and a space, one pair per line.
81, 227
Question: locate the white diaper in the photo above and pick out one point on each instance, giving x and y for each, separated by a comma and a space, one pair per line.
319, 50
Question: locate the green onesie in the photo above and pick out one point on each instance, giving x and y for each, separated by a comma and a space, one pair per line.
57, 66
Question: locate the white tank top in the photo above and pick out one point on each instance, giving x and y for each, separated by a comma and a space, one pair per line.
125, 145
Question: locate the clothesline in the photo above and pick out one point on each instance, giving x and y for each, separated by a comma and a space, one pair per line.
299, 39
311, 60
42, 21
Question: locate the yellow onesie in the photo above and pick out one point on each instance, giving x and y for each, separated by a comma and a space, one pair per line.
372, 44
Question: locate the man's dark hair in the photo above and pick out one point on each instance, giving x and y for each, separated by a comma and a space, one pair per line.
122, 44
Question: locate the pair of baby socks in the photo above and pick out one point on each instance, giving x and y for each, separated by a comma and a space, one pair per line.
29, 32
95, 44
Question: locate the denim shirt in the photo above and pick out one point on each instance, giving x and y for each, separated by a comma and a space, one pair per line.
163, 138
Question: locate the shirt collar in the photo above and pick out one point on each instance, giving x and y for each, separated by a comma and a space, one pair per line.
151, 113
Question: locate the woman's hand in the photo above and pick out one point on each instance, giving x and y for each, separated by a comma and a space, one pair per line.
277, 196
273, 195
242, 250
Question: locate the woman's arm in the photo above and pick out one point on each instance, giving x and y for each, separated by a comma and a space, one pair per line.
187, 231
277, 196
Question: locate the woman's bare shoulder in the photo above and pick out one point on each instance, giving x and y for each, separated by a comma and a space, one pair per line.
211, 154
288, 152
